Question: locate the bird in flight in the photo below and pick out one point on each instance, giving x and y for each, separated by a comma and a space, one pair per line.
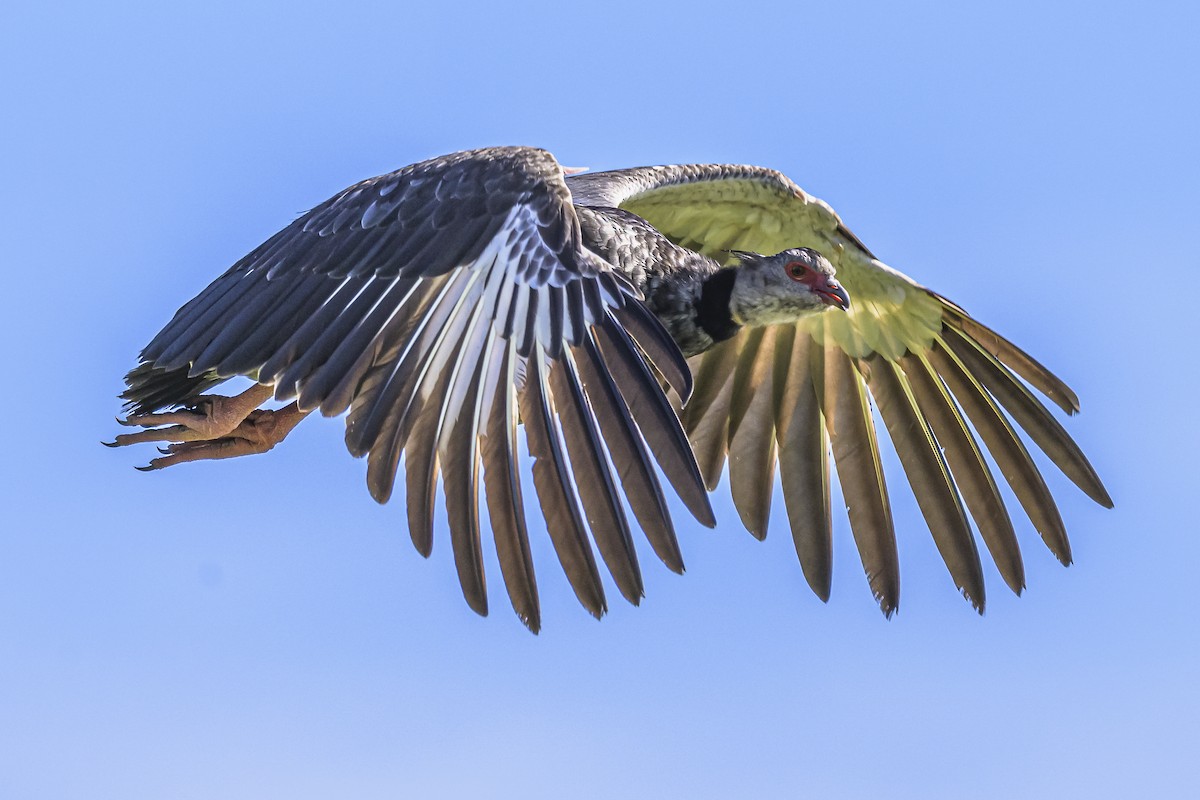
658, 320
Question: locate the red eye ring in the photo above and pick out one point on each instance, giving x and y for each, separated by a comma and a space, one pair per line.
797, 270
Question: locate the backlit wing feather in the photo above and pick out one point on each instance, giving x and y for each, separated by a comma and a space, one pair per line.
787, 394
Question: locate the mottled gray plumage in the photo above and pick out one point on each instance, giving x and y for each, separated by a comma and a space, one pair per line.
670, 277
442, 304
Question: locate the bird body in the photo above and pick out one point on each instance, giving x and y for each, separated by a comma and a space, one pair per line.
659, 320
671, 278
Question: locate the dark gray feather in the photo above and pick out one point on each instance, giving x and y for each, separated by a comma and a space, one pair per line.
629, 456
928, 475
1006, 448
970, 470
656, 419
502, 485
1030, 415
594, 481
552, 479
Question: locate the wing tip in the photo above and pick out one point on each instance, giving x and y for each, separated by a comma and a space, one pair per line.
822, 591
1100, 494
977, 604
759, 532
888, 597
1016, 359
477, 603
532, 623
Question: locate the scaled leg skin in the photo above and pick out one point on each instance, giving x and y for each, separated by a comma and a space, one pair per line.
214, 427
258, 433
211, 417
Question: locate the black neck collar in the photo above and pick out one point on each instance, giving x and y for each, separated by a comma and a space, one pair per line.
712, 309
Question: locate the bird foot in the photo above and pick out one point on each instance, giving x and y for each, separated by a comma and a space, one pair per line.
212, 427
209, 417
259, 432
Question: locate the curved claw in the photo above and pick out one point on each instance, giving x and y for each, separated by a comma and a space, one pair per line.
255, 431
110, 444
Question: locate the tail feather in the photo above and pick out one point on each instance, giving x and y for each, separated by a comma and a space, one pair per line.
152, 388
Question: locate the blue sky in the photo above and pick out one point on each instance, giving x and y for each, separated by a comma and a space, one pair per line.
261, 628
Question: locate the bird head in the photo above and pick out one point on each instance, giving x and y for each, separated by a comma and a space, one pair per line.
783, 287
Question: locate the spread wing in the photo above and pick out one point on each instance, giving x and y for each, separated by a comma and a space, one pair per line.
780, 398
439, 304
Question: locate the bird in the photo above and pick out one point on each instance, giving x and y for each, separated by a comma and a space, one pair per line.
680, 321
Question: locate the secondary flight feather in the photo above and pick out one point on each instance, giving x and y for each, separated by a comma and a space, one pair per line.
671, 321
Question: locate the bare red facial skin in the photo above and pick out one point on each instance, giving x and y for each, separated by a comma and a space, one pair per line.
822, 285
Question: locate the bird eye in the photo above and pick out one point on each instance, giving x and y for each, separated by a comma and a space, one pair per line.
797, 270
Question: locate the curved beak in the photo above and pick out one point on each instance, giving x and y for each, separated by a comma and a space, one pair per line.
833, 294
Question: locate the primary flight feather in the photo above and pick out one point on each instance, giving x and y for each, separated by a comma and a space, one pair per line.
659, 320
